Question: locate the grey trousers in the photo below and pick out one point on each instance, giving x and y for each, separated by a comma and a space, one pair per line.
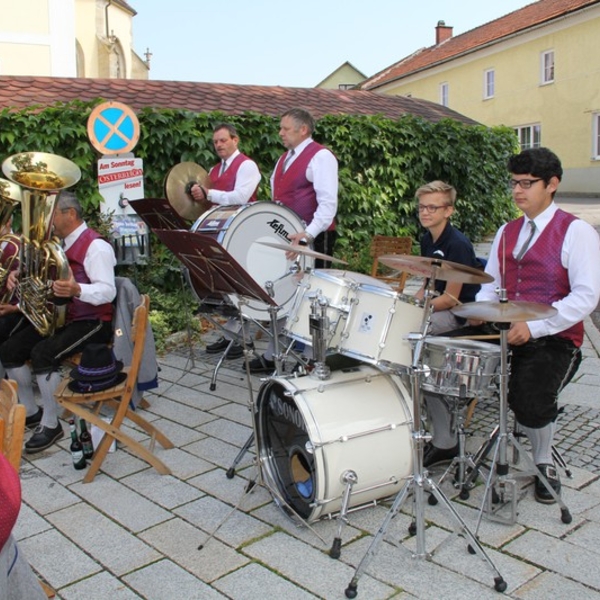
17, 579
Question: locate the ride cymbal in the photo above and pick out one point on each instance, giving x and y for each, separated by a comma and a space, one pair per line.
304, 250
504, 312
179, 182
442, 269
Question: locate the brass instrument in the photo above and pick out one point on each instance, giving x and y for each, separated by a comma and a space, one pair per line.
10, 196
41, 258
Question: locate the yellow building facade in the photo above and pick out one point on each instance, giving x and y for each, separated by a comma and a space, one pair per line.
544, 82
69, 38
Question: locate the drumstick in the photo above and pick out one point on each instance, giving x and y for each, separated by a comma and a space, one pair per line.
495, 336
458, 302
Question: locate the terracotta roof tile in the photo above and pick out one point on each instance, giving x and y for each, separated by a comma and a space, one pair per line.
22, 92
532, 15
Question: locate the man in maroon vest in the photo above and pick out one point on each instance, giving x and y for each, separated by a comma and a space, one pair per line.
305, 179
90, 290
234, 180
550, 257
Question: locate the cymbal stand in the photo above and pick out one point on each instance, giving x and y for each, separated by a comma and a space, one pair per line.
420, 480
501, 490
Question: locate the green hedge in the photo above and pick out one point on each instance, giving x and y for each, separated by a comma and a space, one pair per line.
382, 162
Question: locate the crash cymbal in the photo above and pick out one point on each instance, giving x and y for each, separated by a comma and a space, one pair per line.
179, 182
304, 250
504, 312
443, 269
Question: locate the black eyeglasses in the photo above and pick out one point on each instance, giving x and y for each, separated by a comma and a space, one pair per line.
430, 208
524, 183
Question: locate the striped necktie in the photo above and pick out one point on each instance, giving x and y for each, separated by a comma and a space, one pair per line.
223, 167
527, 241
287, 160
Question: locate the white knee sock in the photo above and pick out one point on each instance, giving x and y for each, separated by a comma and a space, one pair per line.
541, 443
48, 382
22, 375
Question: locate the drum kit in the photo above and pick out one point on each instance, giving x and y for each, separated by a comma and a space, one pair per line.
330, 441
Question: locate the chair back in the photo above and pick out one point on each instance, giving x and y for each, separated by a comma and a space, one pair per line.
12, 423
385, 244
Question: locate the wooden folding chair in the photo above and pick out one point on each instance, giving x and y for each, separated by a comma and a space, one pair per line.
12, 423
88, 405
384, 244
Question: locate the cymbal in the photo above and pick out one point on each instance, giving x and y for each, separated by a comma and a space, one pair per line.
443, 269
304, 250
504, 312
179, 182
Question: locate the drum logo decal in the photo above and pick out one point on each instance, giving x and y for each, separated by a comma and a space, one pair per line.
286, 411
366, 323
279, 228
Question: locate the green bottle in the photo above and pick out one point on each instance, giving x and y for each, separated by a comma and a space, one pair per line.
86, 440
76, 448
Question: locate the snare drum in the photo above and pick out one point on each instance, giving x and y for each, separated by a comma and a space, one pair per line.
239, 229
335, 288
455, 364
311, 432
378, 324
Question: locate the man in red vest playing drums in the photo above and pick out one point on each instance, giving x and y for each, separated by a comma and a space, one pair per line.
233, 181
305, 179
547, 256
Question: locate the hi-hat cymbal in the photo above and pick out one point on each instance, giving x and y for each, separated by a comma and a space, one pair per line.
504, 312
443, 269
304, 250
179, 182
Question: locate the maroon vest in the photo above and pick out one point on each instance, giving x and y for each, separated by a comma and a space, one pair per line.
226, 181
540, 276
78, 310
10, 251
293, 189
10, 498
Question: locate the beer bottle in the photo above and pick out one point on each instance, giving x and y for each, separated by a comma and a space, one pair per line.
86, 440
76, 448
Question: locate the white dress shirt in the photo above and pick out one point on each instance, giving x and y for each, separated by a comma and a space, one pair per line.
322, 172
580, 255
99, 264
247, 179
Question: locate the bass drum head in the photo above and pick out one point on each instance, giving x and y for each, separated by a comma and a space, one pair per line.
239, 230
311, 432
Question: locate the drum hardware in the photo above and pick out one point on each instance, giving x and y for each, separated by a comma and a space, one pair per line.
501, 490
420, 480
178, 184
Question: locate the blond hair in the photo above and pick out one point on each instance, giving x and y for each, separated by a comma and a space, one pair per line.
439, 187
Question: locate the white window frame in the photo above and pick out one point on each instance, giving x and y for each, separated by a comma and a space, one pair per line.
547, 67
444, 93
489, 84
596, 136
527, 134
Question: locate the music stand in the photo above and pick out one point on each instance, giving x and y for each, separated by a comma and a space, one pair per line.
157, 213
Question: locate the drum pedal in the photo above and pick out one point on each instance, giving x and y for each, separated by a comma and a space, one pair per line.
505, 492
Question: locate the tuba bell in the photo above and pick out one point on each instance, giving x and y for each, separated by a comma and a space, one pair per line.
41, 258
10, 196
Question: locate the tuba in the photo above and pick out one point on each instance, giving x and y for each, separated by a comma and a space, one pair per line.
41, 258
10, 196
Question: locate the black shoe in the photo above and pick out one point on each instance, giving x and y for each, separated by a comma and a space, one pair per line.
43, 438
433, 455
541, 492
261, 365
34, 420
236, 351
217, 346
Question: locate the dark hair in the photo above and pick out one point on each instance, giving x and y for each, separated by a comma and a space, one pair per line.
539, 162
300, 116
230, 128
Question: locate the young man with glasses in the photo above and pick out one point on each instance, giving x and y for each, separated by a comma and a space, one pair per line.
435, 204
551, 257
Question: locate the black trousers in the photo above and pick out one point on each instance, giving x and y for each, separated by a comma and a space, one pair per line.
46, 353
325, 244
